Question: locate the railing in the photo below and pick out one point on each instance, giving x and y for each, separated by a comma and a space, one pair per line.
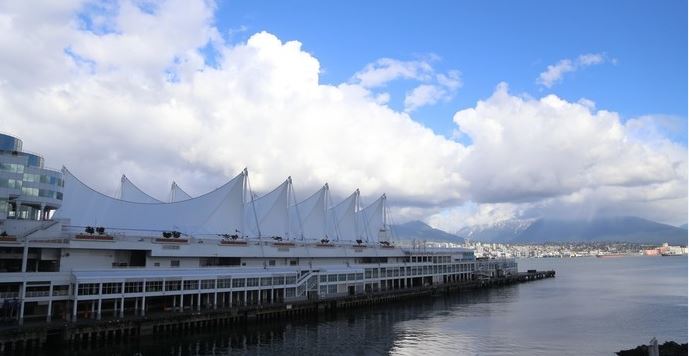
37, 293
9, 295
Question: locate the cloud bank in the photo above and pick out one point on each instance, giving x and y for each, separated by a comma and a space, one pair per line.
156, 92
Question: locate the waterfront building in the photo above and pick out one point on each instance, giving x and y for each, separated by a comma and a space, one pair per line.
69, 252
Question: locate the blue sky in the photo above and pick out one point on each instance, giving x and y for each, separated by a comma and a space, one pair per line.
491, 42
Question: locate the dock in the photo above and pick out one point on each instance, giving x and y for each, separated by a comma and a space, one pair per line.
14, 338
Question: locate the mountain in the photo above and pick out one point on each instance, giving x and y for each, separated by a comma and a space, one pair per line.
684, 226
501, 231
418, 230
626, 228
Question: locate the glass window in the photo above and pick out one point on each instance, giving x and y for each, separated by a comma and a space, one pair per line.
252, 282
208, 284
278, 280
292, 279
112, 288
290, 292
88, 288
224, 283
238, 283
154, 286
341, 277
266, 281
133, 287
191, 285
332, 278
173, 285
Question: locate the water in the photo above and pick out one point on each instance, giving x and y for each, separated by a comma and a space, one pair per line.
594, 306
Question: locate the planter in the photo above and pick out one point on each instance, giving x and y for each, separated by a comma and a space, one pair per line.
8, 238
171, 241
233, 243
93, 237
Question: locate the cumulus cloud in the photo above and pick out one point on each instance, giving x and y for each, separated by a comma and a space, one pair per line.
141, 100
385, 70
429, 94
435, 87
129, 89
555, 72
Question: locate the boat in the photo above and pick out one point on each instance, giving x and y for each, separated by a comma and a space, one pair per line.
610, 255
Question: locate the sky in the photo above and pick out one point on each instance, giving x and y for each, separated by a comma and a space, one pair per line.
464, 113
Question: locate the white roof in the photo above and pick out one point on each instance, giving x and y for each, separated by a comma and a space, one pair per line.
217, 212
130, 192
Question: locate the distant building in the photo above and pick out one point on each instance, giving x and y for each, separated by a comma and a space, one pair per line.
28, 190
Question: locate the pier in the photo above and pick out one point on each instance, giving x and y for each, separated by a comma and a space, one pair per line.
29, 336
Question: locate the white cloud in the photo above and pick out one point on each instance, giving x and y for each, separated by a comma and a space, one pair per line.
424, 94
385, 70
555, 72
137, 96
429, 94
434, 86
148, 106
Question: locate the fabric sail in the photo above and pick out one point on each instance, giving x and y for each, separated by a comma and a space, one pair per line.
307, 218
177, 194
217, 212
342, 219
268, 215
370, 220
130, 192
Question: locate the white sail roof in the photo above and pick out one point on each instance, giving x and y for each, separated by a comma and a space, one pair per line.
130, 192
177, 194
342, 219
370, 220
269, 214
307, 218
217, 212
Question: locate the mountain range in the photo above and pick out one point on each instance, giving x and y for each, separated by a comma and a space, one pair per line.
622, 229
418, 230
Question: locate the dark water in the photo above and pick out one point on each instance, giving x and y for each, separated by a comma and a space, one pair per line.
594, 307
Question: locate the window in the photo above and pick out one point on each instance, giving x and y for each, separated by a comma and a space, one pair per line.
324, 278
60, 290
359, 276
351, 276
173, 285
133, 287
293, 262
332, 278
290, 292
278, 281
88, 288
271, 262
291, 279
154, 286
156, 264
252, 282
208, 284
332, 289
238, 283
112, 288
174, 263
342, 277
266, 281
191, 285
224, 283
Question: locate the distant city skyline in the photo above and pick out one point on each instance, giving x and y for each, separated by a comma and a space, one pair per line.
464, 113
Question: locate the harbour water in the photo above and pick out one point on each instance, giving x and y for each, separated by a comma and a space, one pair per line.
595, 306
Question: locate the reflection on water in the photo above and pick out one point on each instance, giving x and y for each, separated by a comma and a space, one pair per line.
594, 306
